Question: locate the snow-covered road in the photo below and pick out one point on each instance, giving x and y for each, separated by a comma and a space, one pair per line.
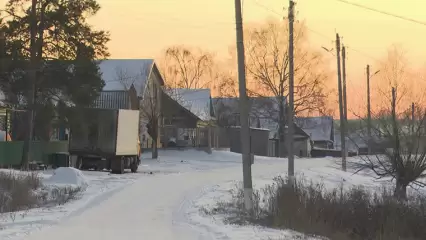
152, 208
157, 206
166, 204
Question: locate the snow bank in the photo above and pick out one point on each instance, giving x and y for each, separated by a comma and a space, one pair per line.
67, 176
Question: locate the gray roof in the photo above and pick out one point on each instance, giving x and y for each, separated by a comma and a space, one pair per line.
113, 100
120, 74
197, 101
318, 128
264, 111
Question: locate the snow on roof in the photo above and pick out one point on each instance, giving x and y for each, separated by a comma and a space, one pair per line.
318, 128
120, 74
197, 101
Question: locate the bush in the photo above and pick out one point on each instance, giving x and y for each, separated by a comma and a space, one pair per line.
354, 214
17, 191
24, 190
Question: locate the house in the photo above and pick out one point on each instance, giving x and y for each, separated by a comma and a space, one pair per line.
130, 84
319, 129
263, 114
197, 102
185, 112
357, 138
302, 143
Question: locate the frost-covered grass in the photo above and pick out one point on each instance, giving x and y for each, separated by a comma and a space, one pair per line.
351, 212
21, 191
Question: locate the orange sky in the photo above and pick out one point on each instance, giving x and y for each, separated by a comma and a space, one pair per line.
143, 28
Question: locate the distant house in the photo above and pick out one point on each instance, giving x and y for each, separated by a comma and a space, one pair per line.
197, 102
127, 83
320, 130
264, 114
357, 140
183, 111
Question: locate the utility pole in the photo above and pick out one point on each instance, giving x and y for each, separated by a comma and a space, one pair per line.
290, 139
345, 105
345, 102
245, 131
413, 119
32, 75
368, 111
342, 117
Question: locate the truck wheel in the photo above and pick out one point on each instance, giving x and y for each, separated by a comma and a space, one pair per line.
117, 165
122, 163
134, 165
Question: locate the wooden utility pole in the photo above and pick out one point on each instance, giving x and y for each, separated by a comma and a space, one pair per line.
245, 131
368, 112
32, 75
345, 101
413, 118
342, 117
290, 138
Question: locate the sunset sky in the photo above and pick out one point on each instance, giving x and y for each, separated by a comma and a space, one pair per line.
143, 28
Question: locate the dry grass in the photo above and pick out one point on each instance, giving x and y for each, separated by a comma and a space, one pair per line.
20, 191
355, 214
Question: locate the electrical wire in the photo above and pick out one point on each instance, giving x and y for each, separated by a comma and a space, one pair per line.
383, 12
316, 32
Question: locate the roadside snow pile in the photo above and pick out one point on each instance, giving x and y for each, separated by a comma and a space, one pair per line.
64, 185
67, 176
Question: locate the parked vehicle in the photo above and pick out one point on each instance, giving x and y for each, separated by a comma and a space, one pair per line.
107, 139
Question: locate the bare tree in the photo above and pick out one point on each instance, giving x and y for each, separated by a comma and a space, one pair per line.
396, 72
185, 67
151, 113
225, 83
404, 160
268, 72
149, 105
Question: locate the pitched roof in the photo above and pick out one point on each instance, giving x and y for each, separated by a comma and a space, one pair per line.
120, 74
319, 128
197, 101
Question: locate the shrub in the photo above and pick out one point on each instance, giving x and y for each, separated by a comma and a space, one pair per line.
24, 190
17, 191
354, 214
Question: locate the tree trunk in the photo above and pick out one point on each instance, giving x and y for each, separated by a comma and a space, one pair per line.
400, 192
154, 150
155, 139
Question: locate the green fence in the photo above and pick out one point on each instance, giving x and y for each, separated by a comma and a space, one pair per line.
11, 152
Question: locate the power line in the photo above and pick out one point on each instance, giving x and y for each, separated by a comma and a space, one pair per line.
314, 31
383, 12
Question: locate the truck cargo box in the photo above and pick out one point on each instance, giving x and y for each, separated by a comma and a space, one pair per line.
106, 132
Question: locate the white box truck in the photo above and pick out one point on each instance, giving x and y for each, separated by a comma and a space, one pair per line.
106, 139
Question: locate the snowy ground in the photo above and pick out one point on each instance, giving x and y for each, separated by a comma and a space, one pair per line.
164, 199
